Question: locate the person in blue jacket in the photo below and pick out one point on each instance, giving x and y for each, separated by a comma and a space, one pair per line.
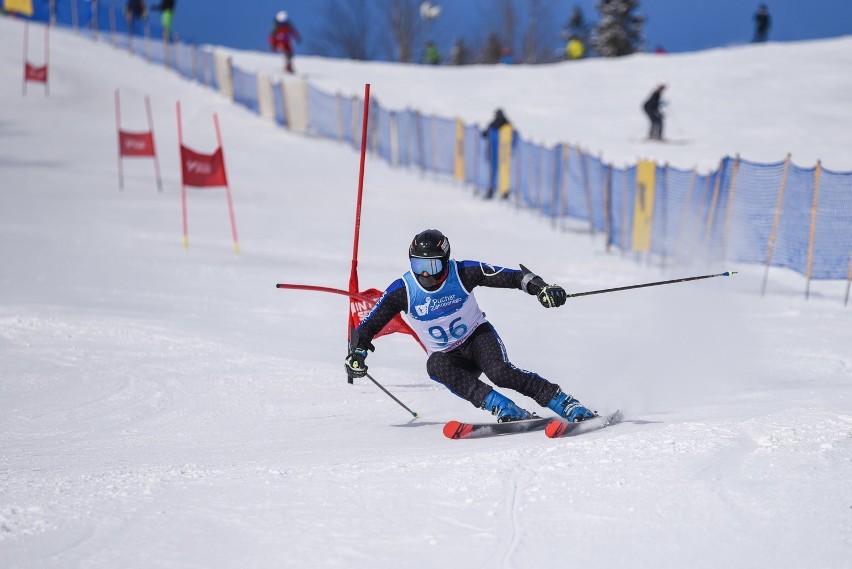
437, 296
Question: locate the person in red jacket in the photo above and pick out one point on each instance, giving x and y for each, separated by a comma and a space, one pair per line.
281, 38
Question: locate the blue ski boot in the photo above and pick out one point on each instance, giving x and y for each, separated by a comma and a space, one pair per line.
504, 408
569, 408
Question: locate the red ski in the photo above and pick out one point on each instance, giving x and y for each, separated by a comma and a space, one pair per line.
558, 428
459, 430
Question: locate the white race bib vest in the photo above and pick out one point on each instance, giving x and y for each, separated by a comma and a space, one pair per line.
445, 317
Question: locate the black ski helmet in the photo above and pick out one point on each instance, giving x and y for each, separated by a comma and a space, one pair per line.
431, 245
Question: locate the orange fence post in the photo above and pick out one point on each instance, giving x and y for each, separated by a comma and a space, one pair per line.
776, 221
817, 172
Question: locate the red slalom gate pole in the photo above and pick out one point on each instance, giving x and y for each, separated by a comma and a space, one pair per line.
153, 147
353, 275
227, 188
182, 185
26, 49
46, 60
356, 295
118, 134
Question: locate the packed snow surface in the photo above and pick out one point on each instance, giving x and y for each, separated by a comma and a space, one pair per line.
162, 407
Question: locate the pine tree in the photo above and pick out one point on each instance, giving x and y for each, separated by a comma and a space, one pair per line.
492, 51
576, 26
619, 31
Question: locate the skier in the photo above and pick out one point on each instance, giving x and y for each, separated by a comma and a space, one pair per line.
652, 109
762, 21
281, 38
167, 14
437, 296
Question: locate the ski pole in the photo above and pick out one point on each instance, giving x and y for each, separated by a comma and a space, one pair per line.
725, 274
370, 377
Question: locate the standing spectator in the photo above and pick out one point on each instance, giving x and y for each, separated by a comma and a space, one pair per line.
575, 49
492, 145
762, 22
506, 56
167, 13
432, 56
135, 11
281, 38
652, 109
459, 55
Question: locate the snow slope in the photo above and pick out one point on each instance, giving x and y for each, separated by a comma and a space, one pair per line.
761, 101
171, 408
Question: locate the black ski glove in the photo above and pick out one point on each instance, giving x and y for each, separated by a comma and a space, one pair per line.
550, 296
354, 363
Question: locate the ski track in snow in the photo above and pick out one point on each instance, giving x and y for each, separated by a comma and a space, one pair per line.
171, 408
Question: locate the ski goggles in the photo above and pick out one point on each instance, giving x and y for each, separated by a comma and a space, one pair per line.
426, 267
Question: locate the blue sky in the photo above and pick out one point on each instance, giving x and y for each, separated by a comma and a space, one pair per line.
677, 25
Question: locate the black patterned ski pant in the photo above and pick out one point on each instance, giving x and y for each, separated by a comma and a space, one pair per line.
484, 352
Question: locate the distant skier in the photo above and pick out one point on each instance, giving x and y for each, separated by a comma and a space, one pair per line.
167, 14
437, 296
281, 38
652, 109
762, 22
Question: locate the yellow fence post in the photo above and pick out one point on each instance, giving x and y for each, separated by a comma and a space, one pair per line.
505, 136
459, 165
643, 206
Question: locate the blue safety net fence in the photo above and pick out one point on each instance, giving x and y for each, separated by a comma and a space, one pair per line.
777, 214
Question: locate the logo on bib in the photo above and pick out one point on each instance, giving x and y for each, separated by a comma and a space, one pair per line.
423, 309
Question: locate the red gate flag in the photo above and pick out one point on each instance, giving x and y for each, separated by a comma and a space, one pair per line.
360, 307
202, 170
136, 144
33, 73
